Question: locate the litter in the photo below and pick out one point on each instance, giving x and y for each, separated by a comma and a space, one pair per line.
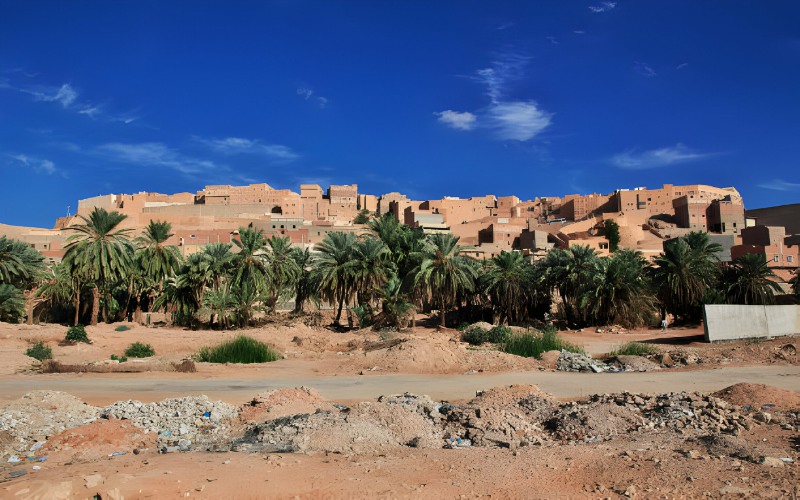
36, 467
14, 459
207, 414
787, 460
37, 445
17, 473
117, 454
42, 459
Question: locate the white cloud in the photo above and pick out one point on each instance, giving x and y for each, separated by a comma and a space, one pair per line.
780, 185
38, 165
552, 40
238, 145
602, 7
579, 32
65, 95
644, 70
655, 158
457, 120
517, 120
154, 154
307, 93
681, 65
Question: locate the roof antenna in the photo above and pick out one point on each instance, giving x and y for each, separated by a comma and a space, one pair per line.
68, 207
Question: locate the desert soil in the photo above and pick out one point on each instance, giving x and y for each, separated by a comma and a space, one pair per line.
375, 448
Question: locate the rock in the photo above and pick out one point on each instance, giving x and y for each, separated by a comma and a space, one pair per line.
763, 417
772, 462
92, 481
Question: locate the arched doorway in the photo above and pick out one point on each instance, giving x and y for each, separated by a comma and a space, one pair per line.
277, 210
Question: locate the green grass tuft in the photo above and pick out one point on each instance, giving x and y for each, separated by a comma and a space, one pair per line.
39, 351
633, 349
77, 334
139, 350
242, 349
122, 328
532, 345
122, 359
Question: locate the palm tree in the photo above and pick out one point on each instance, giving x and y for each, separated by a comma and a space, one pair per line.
284, 271
749, 280
443, 274
63, 284
572, 272
100, 252
371, 268
621, 294
396, 310
683, 275
158, 260
507, 280
333, 265
219, 262
12, 303
307, 284
250, 264
20, 264
795, 282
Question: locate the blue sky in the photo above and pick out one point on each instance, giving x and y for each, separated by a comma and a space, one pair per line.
460, 98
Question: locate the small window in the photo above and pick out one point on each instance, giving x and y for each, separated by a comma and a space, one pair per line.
776, 258
191, 236
789, 258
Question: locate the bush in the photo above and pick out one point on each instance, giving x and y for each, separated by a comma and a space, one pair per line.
77, 334
532, 345
633, 349
139, 350
121, 359
476, 335
122, 328
242, 349
39, 351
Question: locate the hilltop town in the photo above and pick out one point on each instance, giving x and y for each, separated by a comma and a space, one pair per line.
486, 225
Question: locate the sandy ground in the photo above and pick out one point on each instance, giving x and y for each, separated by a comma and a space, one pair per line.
361, 365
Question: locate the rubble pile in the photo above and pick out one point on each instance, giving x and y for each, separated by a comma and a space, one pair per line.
38, 415
578, 362
507, 418
367, 427
589, 422
189, 423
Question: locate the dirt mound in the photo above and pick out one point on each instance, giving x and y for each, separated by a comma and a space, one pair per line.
99, 439
283, 402
436, 355
508, 417
759, 396
40, 414
593, 421
634, 363
366, 428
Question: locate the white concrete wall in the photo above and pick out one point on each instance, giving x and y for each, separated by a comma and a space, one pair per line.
732, 322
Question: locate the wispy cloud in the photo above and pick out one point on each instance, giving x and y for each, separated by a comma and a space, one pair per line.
681, 65
579, 32
308, 94
552, 40
505, 26
602, 7
460, 121
644, 69
154, 154
509, 119
38, 165
655, 158
780, 185
68, 97
238, 146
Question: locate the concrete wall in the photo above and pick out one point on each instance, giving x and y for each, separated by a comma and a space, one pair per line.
733, 322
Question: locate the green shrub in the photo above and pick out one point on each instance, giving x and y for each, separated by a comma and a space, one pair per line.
121, 359
139, 350
39, 351
242, 349
77, 334
476, 335
462, 326
532, 345
122, 328
633, 349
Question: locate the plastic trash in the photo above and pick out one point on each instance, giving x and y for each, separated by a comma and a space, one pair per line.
14, 459
787, 460
207, 414
42, 459
166, 433
17, 473
746, 408
37, 445
767, 406
36, 467
117, 454
169, 449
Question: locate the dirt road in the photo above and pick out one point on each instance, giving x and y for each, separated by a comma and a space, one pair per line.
104, 389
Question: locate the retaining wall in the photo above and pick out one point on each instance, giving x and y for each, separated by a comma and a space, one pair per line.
733, 322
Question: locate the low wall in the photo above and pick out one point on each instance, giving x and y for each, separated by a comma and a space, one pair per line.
733, 322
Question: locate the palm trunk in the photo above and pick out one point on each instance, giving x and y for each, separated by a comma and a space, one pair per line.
128, 302
95, 305
77, 308
443, 314
339, 312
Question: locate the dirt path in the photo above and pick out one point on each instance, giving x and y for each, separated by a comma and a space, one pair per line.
103, 389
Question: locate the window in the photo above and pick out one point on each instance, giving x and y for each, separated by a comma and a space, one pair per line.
789, 258
776, 258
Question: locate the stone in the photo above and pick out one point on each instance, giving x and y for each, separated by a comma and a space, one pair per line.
92, 481
772, 462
